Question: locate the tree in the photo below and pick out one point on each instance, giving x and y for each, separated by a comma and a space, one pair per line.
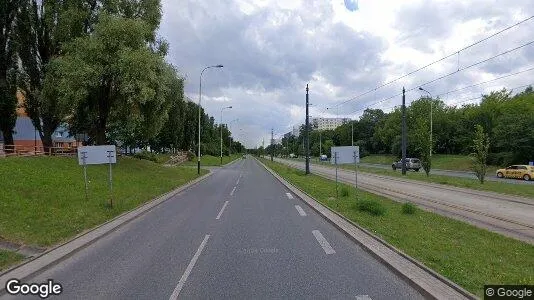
115, 75
8, 68
481, 146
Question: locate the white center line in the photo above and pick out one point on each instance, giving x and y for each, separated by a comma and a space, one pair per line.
189, 268
323, 242
363, 297
222, 209
237, 181
300, 210
289, 195
232, 192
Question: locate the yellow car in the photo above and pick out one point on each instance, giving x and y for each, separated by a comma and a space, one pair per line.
517, 171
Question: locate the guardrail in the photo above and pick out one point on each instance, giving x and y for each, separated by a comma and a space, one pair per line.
21, 150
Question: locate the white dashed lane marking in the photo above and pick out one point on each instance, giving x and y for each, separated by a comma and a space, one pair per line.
289, 195
233, 190
300, 210
323, 242
222, 209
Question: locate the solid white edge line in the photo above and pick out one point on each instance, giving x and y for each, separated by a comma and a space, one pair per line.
232, 192
323, 242
289, 195
189, 268
363, 297
300, 210
222, 209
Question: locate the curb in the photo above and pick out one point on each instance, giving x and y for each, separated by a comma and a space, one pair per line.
37, 264
431, 284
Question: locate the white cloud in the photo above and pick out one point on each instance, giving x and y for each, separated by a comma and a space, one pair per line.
272, 48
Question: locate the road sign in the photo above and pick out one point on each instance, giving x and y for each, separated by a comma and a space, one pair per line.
345, 154
95, 155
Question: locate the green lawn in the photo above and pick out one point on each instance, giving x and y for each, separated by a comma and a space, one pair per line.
43, 200
208, 160
465, 254
439, 161
524, 190
8, 258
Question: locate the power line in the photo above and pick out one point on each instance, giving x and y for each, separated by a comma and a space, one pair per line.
449, 74
436, 61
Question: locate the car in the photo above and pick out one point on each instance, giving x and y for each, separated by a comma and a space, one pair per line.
411, 164
517, 171
323, 157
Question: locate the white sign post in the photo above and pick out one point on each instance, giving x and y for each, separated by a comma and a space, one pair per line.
347, 155
96, 155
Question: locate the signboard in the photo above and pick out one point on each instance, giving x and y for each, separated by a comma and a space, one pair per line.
95, 155
345, 154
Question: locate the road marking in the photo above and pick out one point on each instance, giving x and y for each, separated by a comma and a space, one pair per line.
222, 209
300, 210
237, 181
363, 297
323, 242
289, 195
189, 268
232, 192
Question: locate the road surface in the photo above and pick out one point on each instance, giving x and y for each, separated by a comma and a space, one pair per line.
239, 234
508, 215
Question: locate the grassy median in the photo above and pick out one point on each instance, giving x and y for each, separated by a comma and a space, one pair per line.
465, 254
8, 258
43, 200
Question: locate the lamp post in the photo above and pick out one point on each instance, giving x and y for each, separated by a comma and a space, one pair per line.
422, 89
199, 107
222, 127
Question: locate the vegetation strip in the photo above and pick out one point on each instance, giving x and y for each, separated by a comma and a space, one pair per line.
43, 201
461, 252
9, 258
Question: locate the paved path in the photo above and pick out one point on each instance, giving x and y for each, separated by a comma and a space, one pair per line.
508, 215
239, 234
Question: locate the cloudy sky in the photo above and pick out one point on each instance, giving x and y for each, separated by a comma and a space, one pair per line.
271, 49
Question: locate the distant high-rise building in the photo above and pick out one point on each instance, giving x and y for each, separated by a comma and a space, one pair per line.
328, 123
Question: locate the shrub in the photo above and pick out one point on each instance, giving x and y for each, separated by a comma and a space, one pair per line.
409, 208
344, 191
371, 206
146, 155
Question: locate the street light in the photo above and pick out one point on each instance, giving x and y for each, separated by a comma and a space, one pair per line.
199, 107
222, 127
422, 89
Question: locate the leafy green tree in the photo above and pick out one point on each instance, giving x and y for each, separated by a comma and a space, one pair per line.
481, 147
8, 68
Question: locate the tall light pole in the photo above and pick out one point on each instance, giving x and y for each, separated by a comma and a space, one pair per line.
222, 127
422, 89
199, 107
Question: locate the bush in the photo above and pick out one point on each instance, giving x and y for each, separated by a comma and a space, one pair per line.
409, 208
371, 206
146, 155
344, 191
500, 159
190, 155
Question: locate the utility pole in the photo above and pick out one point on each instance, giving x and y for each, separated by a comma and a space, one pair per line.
352, 133
272, 144
307, 135
403, 131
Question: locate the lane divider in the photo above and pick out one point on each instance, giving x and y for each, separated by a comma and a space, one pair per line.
289, 196
323, 242
232, 192
222, 209
300, 210
188, 270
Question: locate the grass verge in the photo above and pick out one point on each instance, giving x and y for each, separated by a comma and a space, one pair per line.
465, 254
8, 258
439, 161
43, 198
208, 160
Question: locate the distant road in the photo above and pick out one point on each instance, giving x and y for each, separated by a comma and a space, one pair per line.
239, 234
508, 215
453, 173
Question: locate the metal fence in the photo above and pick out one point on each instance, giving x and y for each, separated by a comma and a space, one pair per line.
20, 150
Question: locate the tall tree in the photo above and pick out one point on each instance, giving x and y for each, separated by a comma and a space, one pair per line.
8, 68
481, 147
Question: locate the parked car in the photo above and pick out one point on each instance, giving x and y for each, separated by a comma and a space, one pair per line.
411, 164
517, 171
323, 157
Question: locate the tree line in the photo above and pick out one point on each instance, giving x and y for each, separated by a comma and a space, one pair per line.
506, 119
99, 67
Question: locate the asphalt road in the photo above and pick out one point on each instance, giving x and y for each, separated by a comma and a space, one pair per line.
239, 234
461, 174
508, 215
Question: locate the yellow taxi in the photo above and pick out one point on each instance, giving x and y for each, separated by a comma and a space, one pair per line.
517, 171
